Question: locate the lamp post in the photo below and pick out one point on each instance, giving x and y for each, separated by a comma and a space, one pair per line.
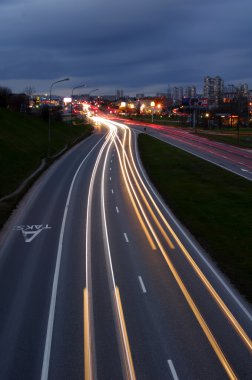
96, 89
81, 85
49, 116
152, 109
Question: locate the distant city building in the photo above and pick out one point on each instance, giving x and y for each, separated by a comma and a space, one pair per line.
244, 89
190, 92
213, 90
250, 103
177, 94
119, 94
108, 97
139, 96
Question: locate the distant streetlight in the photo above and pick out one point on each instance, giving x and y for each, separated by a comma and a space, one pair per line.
152, 109
96, 89
49, 116
81, 85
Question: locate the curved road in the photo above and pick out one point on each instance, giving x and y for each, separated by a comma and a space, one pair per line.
232, 158
99, 280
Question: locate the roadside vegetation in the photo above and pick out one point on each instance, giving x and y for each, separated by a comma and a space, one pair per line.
241, 137
214, 204
24, 143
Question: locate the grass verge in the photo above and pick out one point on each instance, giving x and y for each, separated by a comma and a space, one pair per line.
243, 139
215, 205
23, 144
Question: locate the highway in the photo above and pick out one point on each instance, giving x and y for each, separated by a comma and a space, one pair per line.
100, 281
232, 158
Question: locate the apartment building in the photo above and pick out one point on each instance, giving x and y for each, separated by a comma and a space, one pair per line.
213, 90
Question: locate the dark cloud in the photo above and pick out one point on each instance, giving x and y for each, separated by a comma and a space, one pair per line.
134, 45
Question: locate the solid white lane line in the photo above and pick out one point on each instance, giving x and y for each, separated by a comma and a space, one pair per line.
142, 284
112, 191
126, 357
126, 237
172, 368
117, 210
49, 332
206, 159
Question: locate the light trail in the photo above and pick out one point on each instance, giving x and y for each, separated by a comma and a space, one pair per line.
124, 345
203, 278
89, 343
168, 240
129, 185
50, 323
195, 310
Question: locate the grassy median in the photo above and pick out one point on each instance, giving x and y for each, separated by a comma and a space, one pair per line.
24, 143
214, 204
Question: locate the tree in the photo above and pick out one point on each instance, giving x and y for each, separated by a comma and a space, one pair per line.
5, 94
29, 90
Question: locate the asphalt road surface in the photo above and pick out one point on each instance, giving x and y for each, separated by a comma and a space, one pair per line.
99, 280
232, 158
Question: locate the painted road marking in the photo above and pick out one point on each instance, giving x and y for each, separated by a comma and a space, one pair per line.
126, 237
142, 284
110, 178
117, 210
173, 371
109, 168
244, 170
29, 232
112, 191
50, 323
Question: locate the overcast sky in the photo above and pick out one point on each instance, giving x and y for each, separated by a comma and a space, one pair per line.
134, 45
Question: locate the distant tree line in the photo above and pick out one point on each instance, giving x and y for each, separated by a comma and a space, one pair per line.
20, 103
13, 102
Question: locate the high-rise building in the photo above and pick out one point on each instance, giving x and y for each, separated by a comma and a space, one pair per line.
190, 92
119, 94
177, 94
244, 90
213, 90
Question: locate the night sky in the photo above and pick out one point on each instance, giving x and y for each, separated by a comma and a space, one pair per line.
139, 46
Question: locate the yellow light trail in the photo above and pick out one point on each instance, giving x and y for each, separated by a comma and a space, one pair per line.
167, 239
149, 238
87, 343
126, 357
186, 294
207, 284
89, 361
131, 371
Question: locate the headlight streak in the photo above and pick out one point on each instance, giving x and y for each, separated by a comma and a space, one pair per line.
89, 346
167, 239
50, 323
179, 281
125, 352
197, 313
128, 184
207, 284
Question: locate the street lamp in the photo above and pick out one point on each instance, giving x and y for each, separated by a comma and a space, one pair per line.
81, 85
96, 89
152, 109
49, 116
